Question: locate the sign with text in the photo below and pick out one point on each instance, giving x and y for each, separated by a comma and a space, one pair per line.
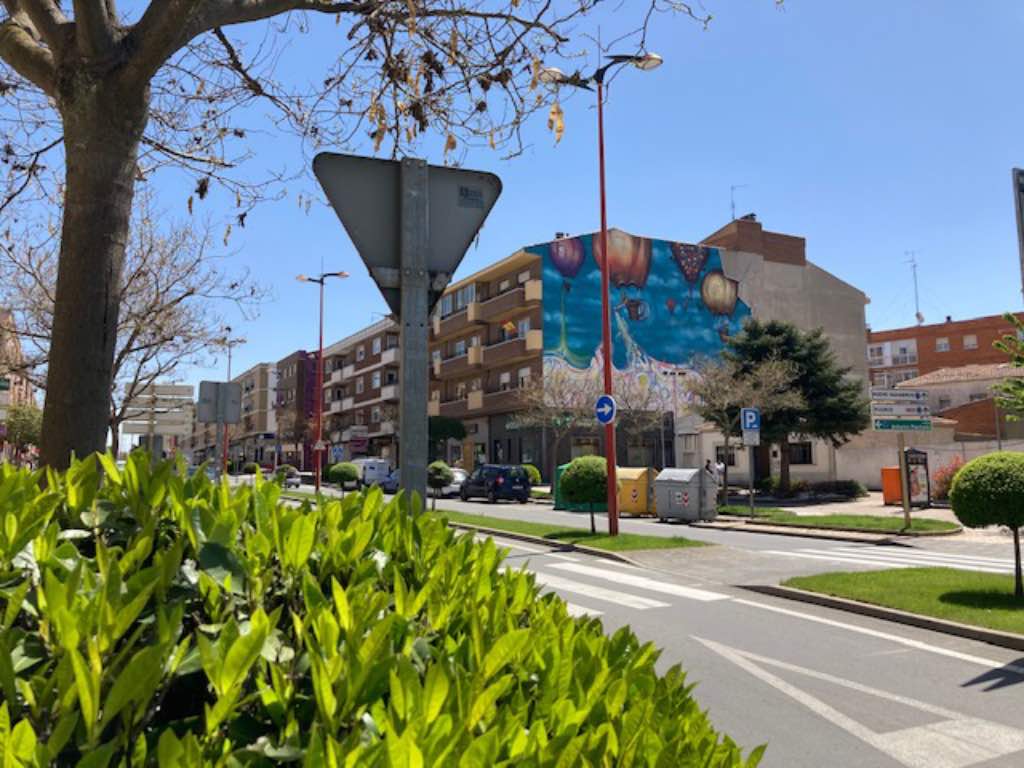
900, 410
884, 394
901, 425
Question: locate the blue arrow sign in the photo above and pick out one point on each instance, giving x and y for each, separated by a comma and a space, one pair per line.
750, 418
605, 409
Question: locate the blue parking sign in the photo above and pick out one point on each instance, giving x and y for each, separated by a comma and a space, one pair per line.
750, 419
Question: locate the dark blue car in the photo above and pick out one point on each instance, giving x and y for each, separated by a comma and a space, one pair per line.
495, 482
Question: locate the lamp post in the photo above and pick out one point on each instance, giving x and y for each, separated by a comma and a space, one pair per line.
319, 447
554, 76
228, 343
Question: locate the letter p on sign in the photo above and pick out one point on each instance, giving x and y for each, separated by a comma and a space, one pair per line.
750, 419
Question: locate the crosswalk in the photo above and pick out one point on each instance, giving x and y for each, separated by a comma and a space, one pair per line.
876, 556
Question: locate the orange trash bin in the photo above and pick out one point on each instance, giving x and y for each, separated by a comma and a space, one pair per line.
892, 489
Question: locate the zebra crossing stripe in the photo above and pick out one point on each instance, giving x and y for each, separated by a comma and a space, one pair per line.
831, 558
597, 593
993, 562
642, 582
929, 561
579, 610
893, 560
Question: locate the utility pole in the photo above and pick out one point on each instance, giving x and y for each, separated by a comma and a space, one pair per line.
917, 299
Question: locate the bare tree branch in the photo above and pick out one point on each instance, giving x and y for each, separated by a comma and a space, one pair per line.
94, 28
20, 50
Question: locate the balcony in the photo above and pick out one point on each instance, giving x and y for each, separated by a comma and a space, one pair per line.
519, 348
389, 392
384, 428
433, 407
498, 307
475, 401
336, 406
334, 378
501, 402
456, 321
460, 364
389, 356
453, 409
348, 371
347, 403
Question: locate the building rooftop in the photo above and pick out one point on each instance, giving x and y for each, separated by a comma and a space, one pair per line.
951, 325
989, 372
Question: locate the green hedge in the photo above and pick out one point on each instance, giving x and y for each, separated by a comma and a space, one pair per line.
342, 473
585, 481
533, 473
162, 620
250, 468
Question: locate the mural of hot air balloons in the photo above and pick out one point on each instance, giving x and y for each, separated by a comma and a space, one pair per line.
670, 304
719, 293
629, 258
567, 256
691, 260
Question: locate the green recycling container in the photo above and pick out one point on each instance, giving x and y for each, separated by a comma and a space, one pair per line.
561, 503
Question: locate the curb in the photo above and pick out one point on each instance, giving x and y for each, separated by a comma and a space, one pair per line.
990, 636
950, 532
817, 532
561, 546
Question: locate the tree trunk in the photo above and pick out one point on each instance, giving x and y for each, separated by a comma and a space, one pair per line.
1018, 586
784, 465
103, 124
115, 436
725, 473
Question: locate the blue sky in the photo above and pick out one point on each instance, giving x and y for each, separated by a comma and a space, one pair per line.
870, 128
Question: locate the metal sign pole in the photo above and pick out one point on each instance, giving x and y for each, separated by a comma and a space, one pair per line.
901, 444
415, 240
750, 481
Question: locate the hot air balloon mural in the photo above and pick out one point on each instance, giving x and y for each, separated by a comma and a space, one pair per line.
567, 256
629, 260
719, 295
691, 260
670, 305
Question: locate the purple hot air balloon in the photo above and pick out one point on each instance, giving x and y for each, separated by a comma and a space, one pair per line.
691, 260
567, 256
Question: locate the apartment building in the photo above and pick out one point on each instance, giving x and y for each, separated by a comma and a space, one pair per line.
901, 354
254, 438
15, 387
361, 391
486, 342
294, 408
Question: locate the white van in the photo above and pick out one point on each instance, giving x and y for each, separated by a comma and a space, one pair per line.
373, 471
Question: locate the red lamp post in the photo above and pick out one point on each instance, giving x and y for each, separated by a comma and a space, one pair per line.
646, 61
319, 447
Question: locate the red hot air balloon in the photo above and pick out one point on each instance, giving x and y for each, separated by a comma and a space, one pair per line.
567, 256
671, 304
691, 260
629, 260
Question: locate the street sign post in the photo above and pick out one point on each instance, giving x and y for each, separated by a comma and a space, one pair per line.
411, 224
605, 409
901, 411
902, 425
159, 411
1018, 204
221, 402
750, 423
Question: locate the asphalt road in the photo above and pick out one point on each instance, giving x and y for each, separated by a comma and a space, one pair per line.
820, 687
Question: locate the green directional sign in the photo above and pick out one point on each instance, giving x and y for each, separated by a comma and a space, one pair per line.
903, 425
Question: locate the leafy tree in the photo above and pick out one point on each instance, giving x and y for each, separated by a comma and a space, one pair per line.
439, 475
441, 429
721, 388
1010, 391
989, 490
124, 93
585, 481
24, 422
640, 409
559, 403
833, 405
342, 474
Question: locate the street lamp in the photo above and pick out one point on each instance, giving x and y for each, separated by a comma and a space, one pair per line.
228, 343
319, 447
554, 76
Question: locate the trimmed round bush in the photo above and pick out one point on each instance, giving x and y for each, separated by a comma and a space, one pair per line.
989, 490
585, 481
343, 473
250, 468
533, 473
439, 475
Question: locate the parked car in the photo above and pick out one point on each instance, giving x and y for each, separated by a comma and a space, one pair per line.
373, 471
391, 482
458, 478
497, 481
291, 480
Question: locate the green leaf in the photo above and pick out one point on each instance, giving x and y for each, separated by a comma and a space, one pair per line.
301, 538
99, 757
403, 752
504, 650
22, 744
88, 692
169, 751
136, 683
222, 565
435, 692
245, 650
110, 467
487, 699
341, 605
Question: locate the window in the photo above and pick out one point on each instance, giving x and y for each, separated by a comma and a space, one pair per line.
360, 418
944, 403
720, 455
475, 385
391, 377
360, 354
524, 377
523, 277
906, 375
375, 380
359, 385
474, 341
905, 354
976, 396
523, 326
970, 341
460, 390
942, 344
375, 415
504, 285
436, 355
392, 341
690, 443
446, 305
801, 453
435, 394
376, 345
460, 347
504, 381
876, 354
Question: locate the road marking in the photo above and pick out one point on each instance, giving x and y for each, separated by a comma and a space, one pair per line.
893, 557
598, 593
830, 558
957, 741
560, 556
512, 544
643, 582
909, 642
578, 610
989, 562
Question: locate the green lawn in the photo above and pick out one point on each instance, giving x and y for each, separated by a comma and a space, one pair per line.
969, 597
865, 522
621, 543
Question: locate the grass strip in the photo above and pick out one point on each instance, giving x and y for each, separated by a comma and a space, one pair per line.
624, 542
967, 597
852, 522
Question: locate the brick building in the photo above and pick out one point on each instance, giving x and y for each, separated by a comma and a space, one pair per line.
254, 437
905, 353
293, 410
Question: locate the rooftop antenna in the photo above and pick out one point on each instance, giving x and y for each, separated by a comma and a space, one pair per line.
917, 302
732, 198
